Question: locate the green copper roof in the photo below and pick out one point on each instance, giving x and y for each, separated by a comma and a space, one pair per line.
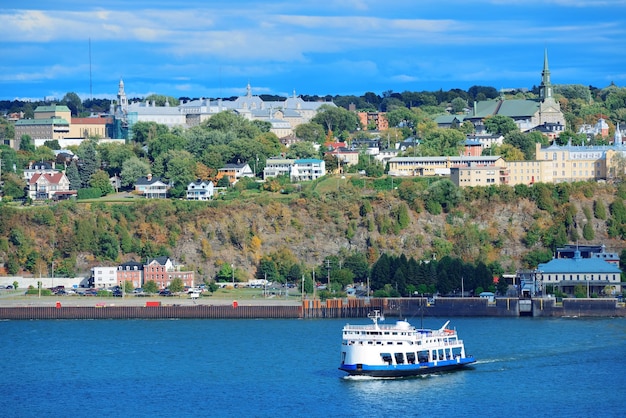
52, 108
51, 121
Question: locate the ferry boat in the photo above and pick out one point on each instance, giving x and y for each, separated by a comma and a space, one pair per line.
400, 350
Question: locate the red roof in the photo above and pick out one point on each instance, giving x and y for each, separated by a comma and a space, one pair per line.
51, 178
92, 121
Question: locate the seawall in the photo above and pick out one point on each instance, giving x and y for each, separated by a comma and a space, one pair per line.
332, 308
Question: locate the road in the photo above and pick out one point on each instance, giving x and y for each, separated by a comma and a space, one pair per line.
17, 298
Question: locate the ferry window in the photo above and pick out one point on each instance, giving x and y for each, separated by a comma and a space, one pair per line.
399, 358
386, 357
410, 358
422, 356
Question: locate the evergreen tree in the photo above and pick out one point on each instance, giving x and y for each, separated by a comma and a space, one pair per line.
89, 162
73, 176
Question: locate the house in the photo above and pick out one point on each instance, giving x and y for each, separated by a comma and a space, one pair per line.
42, 167
275, 167
200, 190
132, 272
162, 271
55, 186
104, 277
115, 182
594, 274
297, 170
235, 172
151, 187
346, 156
308, 169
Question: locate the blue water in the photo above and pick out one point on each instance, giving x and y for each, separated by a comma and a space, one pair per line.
268, 368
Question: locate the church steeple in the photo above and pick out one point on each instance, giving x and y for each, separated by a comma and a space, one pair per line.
545, 89
122, 101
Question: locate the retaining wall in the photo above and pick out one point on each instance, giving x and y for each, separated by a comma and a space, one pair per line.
333, 308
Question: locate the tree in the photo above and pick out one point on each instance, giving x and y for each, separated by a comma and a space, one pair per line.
178, 167
100, 180
88, 161
311, 132
73, 176
458, 105
335, 119
177, 285
500, 125
132, 169
74, 103
14, 185
521, 141
303, 149
150, 287
26, 143
144, 132
444, 193
164, 143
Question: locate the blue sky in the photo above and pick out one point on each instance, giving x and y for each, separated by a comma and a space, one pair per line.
201, 48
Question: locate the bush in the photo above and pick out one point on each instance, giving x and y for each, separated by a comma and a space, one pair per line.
90, 193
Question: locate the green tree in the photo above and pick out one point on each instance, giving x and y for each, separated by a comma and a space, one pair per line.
458, 105
132, 169
73, 176
100, 180
310, 132
89, 161
335, 119
302, 149
150, 287
144, 132
164, 143
178, 167
26, 143
500, 125
14, 185
599, 211
74, 103
177, 285
588, 232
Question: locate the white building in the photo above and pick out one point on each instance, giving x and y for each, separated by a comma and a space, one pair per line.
200, 190
104, 277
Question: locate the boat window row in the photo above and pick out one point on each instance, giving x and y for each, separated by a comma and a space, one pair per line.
423, 356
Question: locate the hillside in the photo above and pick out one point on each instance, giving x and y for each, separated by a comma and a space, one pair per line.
335, 217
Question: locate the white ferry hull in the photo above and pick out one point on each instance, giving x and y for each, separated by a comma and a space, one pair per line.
407, 370
400, 350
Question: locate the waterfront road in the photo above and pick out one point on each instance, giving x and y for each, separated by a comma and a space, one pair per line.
10, 299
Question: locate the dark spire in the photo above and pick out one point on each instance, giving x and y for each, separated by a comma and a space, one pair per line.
545, 90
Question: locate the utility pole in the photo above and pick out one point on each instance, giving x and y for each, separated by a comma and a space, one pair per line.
328, 269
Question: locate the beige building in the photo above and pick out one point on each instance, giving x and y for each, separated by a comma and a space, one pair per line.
89, 127
553, 164
437, 166
480, 174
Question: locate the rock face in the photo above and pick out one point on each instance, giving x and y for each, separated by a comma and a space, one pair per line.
307, 228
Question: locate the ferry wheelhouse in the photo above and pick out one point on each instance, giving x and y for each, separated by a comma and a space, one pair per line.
400, 349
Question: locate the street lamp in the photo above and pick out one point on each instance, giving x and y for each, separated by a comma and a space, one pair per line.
232, 270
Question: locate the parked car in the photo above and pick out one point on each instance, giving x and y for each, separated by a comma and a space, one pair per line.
165, 292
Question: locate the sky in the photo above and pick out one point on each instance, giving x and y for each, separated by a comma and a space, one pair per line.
203, 48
